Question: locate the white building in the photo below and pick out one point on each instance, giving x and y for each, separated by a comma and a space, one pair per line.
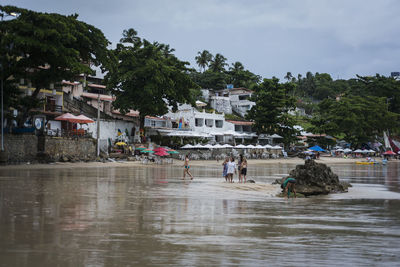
229, 100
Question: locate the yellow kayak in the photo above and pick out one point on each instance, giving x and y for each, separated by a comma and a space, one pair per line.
365, 163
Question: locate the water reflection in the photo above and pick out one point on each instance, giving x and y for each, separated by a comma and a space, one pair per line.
146, 216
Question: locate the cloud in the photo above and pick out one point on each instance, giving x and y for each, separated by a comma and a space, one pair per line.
269, 37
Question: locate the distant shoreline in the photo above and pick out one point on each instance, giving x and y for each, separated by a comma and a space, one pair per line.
195, 163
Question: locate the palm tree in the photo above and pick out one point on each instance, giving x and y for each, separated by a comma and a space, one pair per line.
203, 59
236, 67
218, 63
288, 76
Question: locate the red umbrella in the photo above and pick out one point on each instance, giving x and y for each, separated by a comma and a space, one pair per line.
83, 119
389, 152
160, 149
161, 153
66, 117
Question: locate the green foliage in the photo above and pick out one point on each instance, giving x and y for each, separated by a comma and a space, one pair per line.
203, 59
217, 77
357, 118
46, 48
270, 113
148, 77
240, 77
233, 117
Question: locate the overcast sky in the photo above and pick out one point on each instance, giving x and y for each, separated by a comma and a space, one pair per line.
270, 37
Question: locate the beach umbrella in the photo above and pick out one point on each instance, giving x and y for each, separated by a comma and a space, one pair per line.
83, 119
187, 146
276, 147
140, 148
148, 151
161, 153
240, 146
340, 150
208, 146
250, 146
217, 146
66, 117
358, 151
172, 151
316, 148
389, 152
227, 146
120, 143
347, 150
259, 146
160, 149
268, 146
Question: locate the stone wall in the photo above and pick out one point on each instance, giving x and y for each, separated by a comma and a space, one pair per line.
62, 149
20, 148
27, 148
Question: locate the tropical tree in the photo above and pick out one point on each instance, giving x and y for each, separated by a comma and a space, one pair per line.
270, 114
203, 59
218, 63
240, 77
357, 119
44, 48
148, 77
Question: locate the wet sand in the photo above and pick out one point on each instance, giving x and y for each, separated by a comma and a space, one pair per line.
176, 162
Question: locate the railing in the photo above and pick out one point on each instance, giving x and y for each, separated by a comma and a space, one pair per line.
53, 108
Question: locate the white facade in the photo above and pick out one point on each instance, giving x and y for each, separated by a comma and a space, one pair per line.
221, 104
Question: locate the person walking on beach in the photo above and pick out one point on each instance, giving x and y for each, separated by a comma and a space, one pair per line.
240, 168
231, 169
225, 169
243, 169
186, 168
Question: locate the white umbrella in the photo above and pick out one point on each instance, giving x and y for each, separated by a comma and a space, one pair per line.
276, 136
358, 151
227, 146
276, 147
347, 150
240, 146
187, 146
208, 146
218, 146
340, 150
250, 146
198, 146
268, 146
259, 146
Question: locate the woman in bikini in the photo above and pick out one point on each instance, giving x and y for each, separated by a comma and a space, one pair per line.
186, 168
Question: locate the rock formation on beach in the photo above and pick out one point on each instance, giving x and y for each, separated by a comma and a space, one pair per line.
314, 178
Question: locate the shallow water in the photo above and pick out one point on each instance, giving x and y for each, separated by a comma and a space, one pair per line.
147, 216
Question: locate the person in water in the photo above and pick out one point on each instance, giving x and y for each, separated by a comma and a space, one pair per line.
289, 185
186, 168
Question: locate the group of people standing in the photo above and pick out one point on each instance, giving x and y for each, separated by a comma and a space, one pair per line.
229, 168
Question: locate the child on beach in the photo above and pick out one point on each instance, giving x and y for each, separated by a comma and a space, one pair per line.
186, 168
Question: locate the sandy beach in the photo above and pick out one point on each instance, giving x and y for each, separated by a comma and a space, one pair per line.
194, 163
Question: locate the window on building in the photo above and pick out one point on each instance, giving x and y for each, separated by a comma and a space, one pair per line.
219, 123
209, 122
199, 122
